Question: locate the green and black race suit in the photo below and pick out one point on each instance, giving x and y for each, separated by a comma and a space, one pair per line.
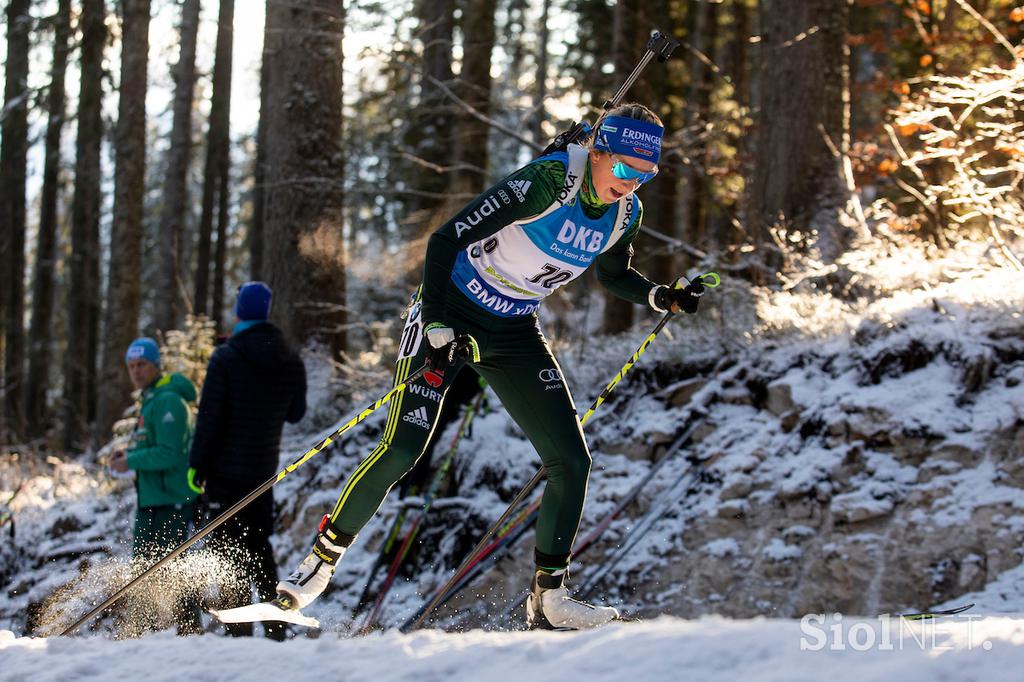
516, 360
530, 234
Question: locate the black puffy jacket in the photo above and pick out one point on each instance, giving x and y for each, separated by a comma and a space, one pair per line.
254, 383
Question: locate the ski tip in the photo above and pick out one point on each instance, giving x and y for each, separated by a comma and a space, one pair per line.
927, 615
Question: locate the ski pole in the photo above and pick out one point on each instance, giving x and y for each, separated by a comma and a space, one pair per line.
710, 280
470, 347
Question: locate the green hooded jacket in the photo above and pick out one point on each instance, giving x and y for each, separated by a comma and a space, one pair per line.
159, 455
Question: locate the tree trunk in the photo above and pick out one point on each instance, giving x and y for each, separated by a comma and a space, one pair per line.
430, 131
698, 111
220, 144
41, 334
661, 198
666, 266
13, 160
202, 291
540, 91
305, 169
256, 238
124, 290
83, 284
797, 181
475, 90
221, 252
618, 313
172, 213
739, 53
217, 143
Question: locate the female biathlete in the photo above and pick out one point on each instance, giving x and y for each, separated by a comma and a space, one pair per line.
486, 272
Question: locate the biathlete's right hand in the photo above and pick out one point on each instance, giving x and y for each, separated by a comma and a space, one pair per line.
441, 346
439, 334
444, 347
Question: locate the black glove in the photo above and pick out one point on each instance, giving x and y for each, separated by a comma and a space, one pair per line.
440, 359
444, 347
686, 299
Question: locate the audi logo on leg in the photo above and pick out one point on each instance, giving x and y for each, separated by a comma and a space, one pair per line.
549, 375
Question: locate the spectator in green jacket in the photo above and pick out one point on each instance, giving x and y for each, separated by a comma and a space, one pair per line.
159, 458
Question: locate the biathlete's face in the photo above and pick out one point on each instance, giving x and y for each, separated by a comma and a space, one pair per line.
616, 176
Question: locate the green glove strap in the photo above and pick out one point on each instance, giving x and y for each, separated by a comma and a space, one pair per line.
434, 325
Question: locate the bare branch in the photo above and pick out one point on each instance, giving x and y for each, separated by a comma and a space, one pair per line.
903, 154
373, 191
675, 245
438, 168
475, 113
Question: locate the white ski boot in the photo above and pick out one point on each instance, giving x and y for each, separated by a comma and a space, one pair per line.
310, 579
551, 608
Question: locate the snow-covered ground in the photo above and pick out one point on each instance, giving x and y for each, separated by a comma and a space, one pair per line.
845, 445
709, 649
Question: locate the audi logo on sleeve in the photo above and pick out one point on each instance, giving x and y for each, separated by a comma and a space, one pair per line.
550, 375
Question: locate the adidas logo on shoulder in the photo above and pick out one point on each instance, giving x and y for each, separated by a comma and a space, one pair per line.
419, 417
520, 188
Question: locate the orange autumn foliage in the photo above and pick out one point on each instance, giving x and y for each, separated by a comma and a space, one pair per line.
888, 166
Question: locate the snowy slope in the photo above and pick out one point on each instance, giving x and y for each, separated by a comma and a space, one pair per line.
858, 454
709, 649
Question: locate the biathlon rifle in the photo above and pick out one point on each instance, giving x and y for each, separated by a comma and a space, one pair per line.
659, 46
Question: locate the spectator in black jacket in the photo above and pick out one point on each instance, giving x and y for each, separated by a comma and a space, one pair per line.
254, 383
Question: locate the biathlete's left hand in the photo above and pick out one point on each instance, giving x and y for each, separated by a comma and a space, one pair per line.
680, 298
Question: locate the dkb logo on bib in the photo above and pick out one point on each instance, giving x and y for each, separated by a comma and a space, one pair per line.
580, 237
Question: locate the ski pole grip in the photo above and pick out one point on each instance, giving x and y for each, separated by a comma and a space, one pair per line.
709, 279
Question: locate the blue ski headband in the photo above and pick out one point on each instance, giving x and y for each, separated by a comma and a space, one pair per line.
630, 137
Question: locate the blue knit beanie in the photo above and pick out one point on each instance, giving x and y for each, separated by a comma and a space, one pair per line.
253, 301
144, 348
